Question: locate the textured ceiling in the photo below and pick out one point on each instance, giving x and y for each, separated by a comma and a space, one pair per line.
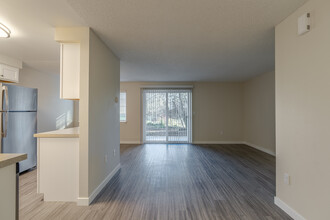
156, 40
188, 40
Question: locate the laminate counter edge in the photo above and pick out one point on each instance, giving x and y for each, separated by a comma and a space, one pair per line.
9, 159
63, 133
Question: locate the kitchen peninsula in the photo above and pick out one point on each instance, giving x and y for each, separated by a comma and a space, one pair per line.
58, 164
9, 185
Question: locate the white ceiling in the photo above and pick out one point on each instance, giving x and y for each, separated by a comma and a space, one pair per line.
156, 40
32, 25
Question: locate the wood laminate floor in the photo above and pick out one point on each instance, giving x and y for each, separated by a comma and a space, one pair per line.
182, 181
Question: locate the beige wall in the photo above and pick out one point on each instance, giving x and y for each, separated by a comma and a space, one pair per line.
81, 35
220, 121
104, 76
259, 112
222, 112
303, 112
98, 112
53, 113
218, 112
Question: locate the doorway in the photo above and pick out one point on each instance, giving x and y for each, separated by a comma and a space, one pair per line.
167, 115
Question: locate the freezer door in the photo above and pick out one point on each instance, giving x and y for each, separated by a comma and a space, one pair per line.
21, 128
21, 98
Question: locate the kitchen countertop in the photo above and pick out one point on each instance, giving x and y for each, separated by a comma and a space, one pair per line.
9, 159
64, 133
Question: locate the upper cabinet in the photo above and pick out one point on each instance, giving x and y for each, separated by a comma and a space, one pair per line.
8, 73
70, 71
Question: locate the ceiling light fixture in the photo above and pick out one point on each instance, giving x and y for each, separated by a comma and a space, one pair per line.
4, 31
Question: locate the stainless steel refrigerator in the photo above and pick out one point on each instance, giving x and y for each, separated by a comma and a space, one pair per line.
18, 122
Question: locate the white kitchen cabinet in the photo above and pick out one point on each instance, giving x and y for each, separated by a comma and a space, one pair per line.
9, 183
70, 71
8, 73
58, 164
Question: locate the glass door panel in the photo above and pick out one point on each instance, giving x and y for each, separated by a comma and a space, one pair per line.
167, 116
155, 116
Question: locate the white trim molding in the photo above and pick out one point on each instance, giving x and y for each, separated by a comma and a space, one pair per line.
237, 142
86, 201
167, 86
217, 142
290, 211
83, 201
260, 148
130, 142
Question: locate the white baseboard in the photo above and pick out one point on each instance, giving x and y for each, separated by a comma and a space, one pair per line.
291, 212
217, 142
237, 142
130, 142
84, 201
260, 148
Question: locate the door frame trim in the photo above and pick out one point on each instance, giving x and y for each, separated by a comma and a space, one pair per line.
142, 109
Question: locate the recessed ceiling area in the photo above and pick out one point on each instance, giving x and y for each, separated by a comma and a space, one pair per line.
186, 40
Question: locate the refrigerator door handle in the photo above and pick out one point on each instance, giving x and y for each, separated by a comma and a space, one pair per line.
4, 130
6, 97
2, 112
6, 125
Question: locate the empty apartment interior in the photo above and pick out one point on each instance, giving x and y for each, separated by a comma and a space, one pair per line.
165, 109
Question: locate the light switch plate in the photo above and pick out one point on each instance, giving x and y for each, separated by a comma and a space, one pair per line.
304, 25
287, 179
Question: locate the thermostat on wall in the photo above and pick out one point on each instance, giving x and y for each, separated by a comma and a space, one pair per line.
304, 25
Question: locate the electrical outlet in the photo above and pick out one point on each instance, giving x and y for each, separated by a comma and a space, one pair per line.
286, 178
114, 152
106, 158
221, 132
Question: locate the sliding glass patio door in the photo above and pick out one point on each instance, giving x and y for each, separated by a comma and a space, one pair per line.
167, 116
